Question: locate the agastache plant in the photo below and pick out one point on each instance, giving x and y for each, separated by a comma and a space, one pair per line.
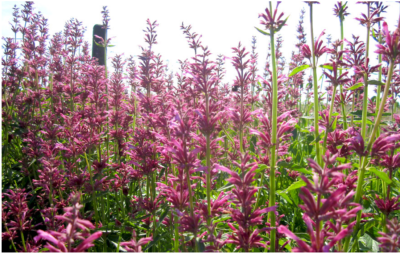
391, 51
64, 238
204, 79
340, 11
145, 155
318, 213
317, 50
243, 236
273, 23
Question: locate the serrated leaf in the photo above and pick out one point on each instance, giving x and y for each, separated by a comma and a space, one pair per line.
381, 175
299, 69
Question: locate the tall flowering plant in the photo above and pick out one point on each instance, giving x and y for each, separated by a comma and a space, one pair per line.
273, 23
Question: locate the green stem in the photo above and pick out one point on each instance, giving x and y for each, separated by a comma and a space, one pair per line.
94, 192
340, 73
365, 108
23, 240
106, 75
274, 140
329, 118
316, 102
176, 242
363, 162
378, 94
12, 241
208, 164
365, 104
191, 206
352, 109
382, 105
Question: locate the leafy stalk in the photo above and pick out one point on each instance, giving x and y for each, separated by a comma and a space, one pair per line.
364, 160
316, 102
273, 135
341, 18
378, 92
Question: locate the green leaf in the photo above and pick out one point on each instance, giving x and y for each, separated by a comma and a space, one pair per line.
356, 86
375, 82
299, 69
162, 217
296, 185
381, 175
369, 114
295, 167
155, 240
116, 246
341, 11
368, 244
285, 196
307, 117
280, 27
224, 217
110, 45
261, 31
261, 167
360, 121
353, 239
341, 159
98, 44
302, 170
201, 245
326, 67
334, 124
295, 197
142, 217
188, 237
225, 187
162, 172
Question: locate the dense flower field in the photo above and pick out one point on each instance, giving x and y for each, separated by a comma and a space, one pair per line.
130, 158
